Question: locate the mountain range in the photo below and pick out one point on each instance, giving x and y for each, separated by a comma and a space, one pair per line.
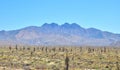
54, 34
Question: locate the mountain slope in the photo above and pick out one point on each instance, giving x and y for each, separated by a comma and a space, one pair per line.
54, 34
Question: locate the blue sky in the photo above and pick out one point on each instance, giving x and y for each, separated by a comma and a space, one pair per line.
100, 14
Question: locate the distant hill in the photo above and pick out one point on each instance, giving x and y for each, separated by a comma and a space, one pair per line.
54, 34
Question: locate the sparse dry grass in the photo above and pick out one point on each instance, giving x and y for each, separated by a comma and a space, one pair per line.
53, 58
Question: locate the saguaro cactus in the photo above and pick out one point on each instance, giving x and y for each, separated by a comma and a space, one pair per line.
16, 47
10, 48
34, 49
46, 49
66, 62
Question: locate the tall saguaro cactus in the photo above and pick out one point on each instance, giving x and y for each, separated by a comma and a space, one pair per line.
10, 48
66, 62
16, 47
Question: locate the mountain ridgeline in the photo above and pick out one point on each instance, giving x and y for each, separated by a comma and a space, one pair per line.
54, 34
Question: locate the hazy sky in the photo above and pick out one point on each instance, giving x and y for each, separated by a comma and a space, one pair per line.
100, 14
